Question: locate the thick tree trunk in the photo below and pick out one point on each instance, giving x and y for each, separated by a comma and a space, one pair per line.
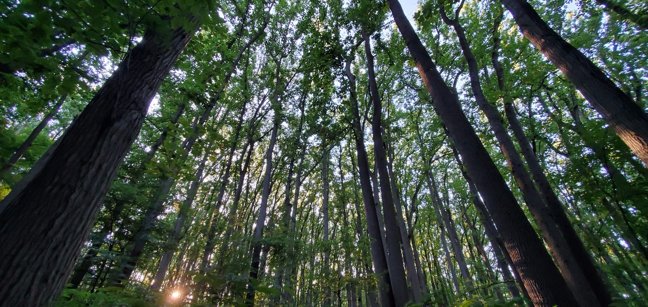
569, 264
554, 205
45, 223
626, 117
138, 243
373, 225
82, 268
392, 230
541, 278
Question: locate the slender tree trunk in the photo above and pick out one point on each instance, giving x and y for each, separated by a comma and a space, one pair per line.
211, 229
625, 116
540, 276
614, 173
392, 230
179, 226
371, 293
141, 237
6, 168
261, 215
373, 225
408, 254
585, 260
444, 227
325, 222
640, 20
562, 250
46, 222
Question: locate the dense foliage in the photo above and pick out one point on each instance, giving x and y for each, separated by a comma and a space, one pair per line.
244, 184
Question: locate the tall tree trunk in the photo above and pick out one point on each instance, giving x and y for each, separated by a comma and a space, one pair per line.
261, 215
617, 214
444, 226
555, 206
212, 226
371, 293
373, 225
325, 221
560, 247
45, 223
138, 243
179, 225
503, 261
82, 268
541, 278
625, 116
392, 230
408, 254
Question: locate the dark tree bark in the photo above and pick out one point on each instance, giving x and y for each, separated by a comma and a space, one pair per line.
408, 253
392, 230
261, 215
325, 221
46, 222
541, 278
560, 247
625, 116
373, 225
554, 205
502, 258
82, 268
136, 246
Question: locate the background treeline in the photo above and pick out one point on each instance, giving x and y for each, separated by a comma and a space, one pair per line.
308, 153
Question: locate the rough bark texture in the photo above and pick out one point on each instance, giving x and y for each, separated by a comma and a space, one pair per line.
554, 205
626, 117
46, 222
540, 276
553, 235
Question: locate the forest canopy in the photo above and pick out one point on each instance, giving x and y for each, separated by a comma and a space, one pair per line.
320, 153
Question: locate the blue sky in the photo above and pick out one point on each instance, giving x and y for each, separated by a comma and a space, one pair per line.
409, 6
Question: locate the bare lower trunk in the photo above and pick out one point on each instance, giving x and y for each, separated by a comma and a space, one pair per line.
625, 116
553, 235
179, 226
541, 278
392, 230
259, 225
43, 227
373, 224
